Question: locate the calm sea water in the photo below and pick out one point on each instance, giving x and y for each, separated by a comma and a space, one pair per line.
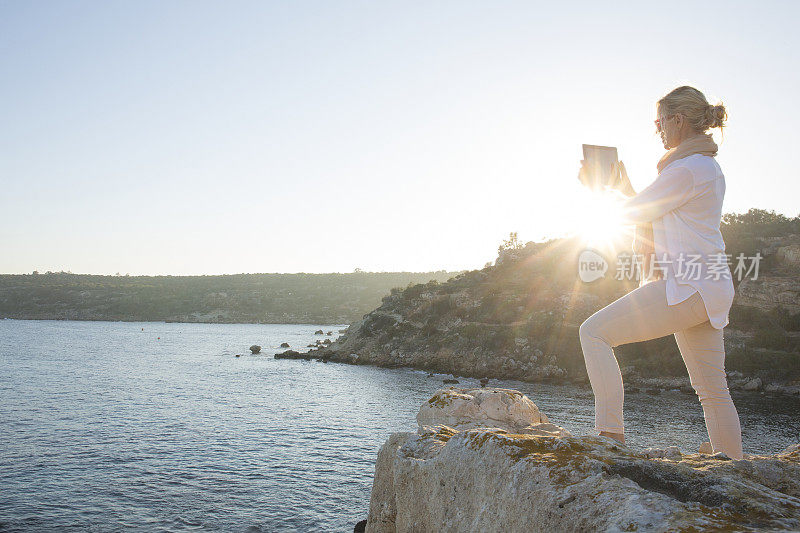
158, 427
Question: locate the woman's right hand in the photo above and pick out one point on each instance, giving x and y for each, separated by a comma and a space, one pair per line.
584, 176
619, 178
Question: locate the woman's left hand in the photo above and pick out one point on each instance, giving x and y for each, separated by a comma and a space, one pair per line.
620, 181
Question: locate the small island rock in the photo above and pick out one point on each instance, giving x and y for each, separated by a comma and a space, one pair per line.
292, 354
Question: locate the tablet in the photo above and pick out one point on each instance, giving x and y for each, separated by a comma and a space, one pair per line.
599, 160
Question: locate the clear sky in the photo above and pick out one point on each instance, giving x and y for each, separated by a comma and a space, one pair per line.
175, 137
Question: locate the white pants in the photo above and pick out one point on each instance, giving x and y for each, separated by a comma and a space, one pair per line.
644, 314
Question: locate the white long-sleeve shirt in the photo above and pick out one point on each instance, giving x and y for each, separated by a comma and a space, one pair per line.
684, 204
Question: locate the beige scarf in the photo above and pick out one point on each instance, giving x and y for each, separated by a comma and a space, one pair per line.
699, 144
643, 234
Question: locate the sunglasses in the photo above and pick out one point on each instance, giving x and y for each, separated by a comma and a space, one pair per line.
659, 122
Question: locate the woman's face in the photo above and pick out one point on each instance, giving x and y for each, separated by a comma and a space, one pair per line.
667, 125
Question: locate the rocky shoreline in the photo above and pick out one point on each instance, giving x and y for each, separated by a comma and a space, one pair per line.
737, 382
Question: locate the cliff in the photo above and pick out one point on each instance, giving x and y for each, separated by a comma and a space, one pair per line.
519, 319
488, 460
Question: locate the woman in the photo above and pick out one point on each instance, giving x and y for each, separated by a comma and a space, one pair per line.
692, 296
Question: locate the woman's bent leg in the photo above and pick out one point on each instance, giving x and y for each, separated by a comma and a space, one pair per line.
640, 315
703, 350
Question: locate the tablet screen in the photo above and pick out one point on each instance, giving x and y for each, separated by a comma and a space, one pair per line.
599, 160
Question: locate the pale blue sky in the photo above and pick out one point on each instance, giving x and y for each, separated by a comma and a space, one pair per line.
222, 137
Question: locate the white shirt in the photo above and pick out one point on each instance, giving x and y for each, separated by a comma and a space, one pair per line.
684, 204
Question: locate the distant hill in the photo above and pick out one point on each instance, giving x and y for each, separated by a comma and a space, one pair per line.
243, 298
519, 319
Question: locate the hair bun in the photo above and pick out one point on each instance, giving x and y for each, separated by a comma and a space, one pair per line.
693, 105
716, 116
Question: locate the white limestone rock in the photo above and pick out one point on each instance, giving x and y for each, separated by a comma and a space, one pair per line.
672, 453
466, 477
506, 409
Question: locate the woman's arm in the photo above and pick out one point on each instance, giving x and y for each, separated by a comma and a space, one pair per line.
671, 189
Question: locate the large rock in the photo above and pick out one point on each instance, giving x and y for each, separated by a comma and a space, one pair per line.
506, 409
473, 478
753, 385
789, 255
765, 293
292, 354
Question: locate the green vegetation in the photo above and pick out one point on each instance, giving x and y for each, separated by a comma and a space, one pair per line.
247, 298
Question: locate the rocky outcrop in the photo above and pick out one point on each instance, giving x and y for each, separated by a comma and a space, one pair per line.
789, 255
496, 322
769, 292
777, 284
292, 354
463, 409
499, 465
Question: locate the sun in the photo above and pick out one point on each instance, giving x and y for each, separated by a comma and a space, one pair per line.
597, 218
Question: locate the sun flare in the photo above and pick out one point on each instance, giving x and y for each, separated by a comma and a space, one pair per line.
598, 218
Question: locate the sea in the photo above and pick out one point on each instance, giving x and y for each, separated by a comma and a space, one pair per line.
123, 426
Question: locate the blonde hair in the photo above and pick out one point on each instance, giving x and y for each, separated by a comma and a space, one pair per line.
693, 105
